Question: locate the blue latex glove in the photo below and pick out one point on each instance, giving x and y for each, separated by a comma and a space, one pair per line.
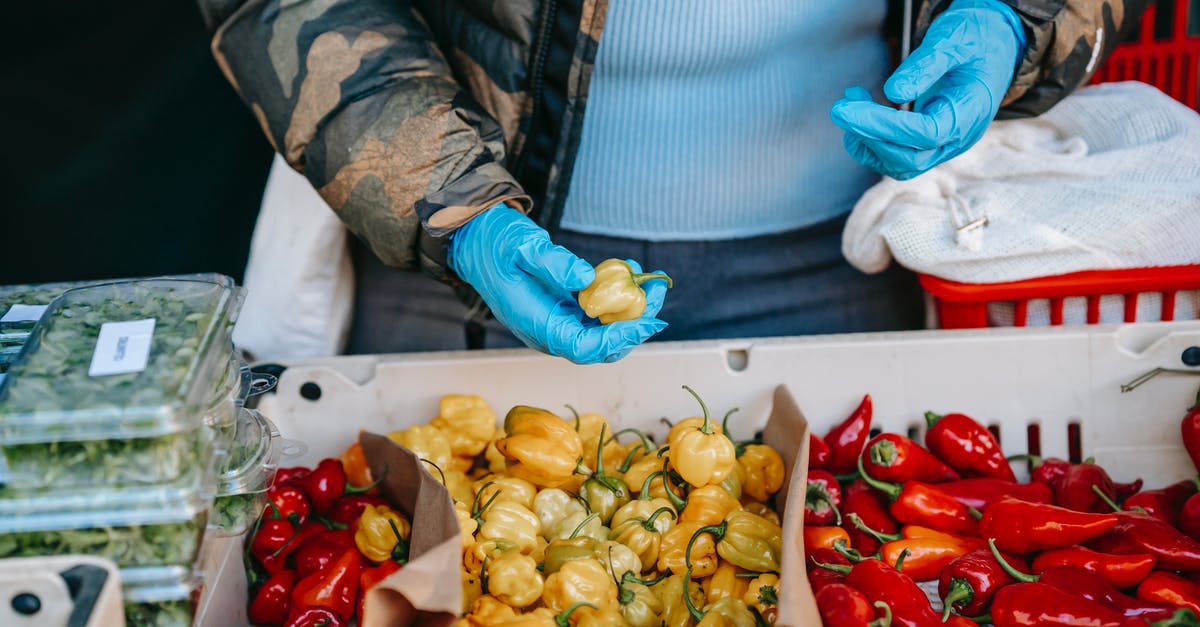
956, 79
528, 281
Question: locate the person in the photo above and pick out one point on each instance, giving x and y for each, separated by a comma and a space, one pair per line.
505, 146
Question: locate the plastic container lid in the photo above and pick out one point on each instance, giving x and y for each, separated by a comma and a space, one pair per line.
253, 456
126, 359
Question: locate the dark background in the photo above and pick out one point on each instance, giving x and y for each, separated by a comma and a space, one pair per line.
123, 151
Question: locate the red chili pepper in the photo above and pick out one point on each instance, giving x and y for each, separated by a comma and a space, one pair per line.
1020, 527
1136, 532
370, 577
284, 476
321, 550
273, 600
334, 587
1081, 583
822, 498
348, 509
920, 503
1190, 429
1042, 605
967, 446
289, 502
819, 577
275, 538
1189, 516
1072, 484
844, 606
1164, 587
846, 440
326, 484
818, 452
893, 457
967, 584
867, 505
980, 491
882, 582
315, 617
1166, 503
1122, 571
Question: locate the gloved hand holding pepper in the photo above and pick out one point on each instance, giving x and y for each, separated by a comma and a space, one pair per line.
527, 281
955, 79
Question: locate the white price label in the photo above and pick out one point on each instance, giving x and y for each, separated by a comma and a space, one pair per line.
122, 347
23, 313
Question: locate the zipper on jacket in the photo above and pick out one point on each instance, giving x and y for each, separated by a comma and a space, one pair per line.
549, 8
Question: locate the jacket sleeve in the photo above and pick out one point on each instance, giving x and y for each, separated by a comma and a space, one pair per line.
357, 97
1066, 41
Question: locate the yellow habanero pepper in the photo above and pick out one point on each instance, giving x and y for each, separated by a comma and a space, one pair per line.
640, 606
617, 559
764, 471
466, 524
727, 612
700, 452
505, 488
708, 505
496, 462
580, 581
640, 525
507, 520
607, 617
684, 539
762, 510
640, 470
725, 583
467, 422
540, 617
749, 541
762, 594
670, 591
559, 552
603, 493
471, 590
540, 447
485, 550
488, 610
589, 425
382, 534
616, 293
512, 578
426, 442
457, 484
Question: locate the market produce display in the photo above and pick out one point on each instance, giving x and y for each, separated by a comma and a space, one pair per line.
562, 521
1070, 547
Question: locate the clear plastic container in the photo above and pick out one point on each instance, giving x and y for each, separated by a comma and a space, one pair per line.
159, 596
62, 427
133, 528
248, 472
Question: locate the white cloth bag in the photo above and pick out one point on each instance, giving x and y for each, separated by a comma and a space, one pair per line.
299, 278
1109, 178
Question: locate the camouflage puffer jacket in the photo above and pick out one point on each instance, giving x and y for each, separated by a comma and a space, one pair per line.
411, 116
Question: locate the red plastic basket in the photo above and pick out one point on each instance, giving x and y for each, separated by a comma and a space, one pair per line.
1170, 63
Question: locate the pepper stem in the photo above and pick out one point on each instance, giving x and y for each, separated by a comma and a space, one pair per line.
883, 453
582, 469
840, 569
706, 427
630, 577
718, 534
564, 619
437, 468
648, 524
676, 501
687, 596
1183, 617
815, 494
900, 560
886, 619
624, 467
574, 413
932, 419
354, 489
642, 277
579, 527
890, 489
861, 525
476, 510
1104, 497
960, 591
483, 575
1008, 568
738, 447
853, 555
600, 453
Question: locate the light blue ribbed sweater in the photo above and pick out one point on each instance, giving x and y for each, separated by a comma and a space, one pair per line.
709, 119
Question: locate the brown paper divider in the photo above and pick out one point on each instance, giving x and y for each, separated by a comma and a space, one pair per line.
427, 590
787, 432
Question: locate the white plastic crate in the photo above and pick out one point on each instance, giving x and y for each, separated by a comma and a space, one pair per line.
1010, 378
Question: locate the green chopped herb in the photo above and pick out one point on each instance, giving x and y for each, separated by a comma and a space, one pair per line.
175, 613
134, 545
235, 513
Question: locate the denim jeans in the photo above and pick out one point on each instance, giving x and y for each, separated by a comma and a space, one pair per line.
794, 283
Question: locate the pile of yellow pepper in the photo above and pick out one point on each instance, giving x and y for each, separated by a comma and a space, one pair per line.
563, 524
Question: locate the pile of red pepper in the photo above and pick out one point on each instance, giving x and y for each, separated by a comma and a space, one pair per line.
324, 539
1070, 547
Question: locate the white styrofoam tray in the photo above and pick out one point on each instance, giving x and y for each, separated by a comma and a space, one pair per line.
1010, 378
